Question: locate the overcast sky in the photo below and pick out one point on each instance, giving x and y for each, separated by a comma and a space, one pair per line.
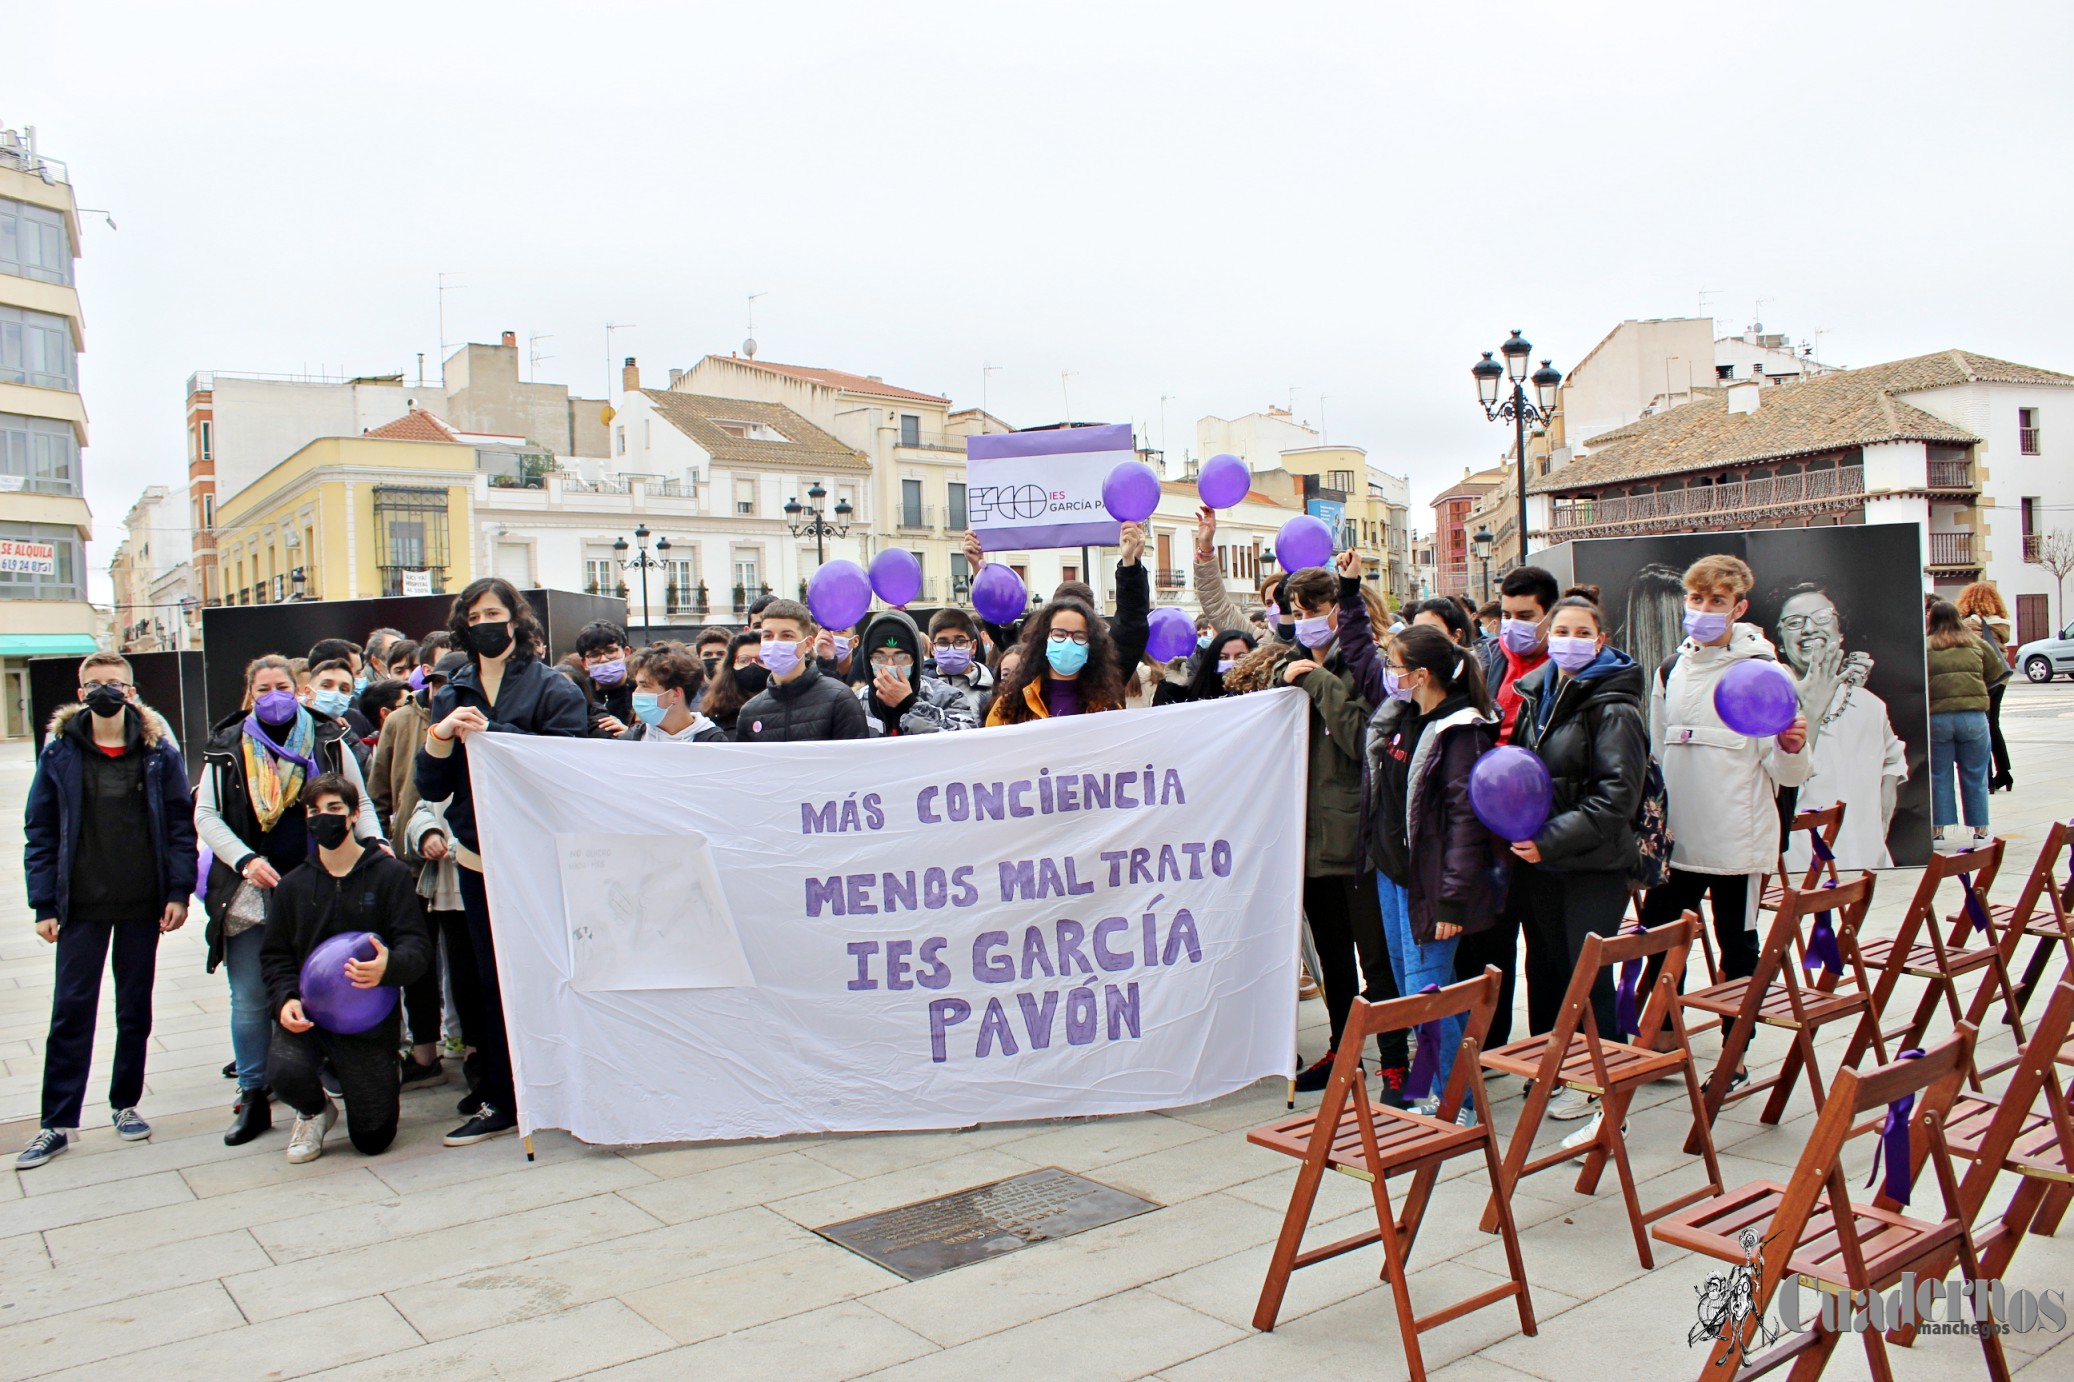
1220, 203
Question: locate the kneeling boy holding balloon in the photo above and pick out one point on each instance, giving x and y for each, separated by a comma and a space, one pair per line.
344, 934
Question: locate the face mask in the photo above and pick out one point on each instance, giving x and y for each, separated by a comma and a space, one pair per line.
609, 673
1394, 687
1066, 658
330, 831
417, 678
276, 707
778, 658
1202, 640
1520, 636
751, 679
1274, 616
904, 673
1314, 632
1226, 664
106, 701
359, 684
648, 707
842, 647
1573, 654
332, 703
954, 662
711, 664
1703, 626
490, 640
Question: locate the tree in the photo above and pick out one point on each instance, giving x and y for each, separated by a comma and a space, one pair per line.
2056, 554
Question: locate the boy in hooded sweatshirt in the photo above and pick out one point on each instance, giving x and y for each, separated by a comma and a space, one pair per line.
1722, 786
901, 693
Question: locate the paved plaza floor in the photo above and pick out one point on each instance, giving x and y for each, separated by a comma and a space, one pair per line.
183, 1258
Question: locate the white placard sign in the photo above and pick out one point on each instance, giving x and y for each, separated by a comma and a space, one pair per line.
1030, 490
417, 582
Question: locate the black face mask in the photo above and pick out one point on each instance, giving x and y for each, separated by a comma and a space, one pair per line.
106, 701
752, 679
330, 831
490, 640
712, 665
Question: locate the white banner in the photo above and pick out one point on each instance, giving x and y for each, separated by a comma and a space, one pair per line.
749, 940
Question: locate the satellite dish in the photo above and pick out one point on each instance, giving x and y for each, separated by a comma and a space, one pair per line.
607, 413
749, 348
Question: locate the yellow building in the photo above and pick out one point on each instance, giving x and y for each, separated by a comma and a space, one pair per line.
387, 513
1376, 512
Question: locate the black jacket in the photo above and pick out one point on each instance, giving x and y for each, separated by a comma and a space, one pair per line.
534, 699
809, 707
52, 824
1595, 740
616, 701
378, 894
1132, 625
1456, 870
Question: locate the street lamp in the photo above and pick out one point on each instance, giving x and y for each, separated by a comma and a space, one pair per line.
642, 563
1482, 543
1490, 375
813, 524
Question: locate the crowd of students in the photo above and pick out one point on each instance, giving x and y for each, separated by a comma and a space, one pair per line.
337, 799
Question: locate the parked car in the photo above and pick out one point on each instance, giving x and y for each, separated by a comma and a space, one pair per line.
2040, 658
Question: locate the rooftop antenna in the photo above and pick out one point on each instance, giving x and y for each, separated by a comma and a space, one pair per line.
1292, 401
1324, 435
1706, 293
611, 327
1815, 350
444, 288
1067, 393
1757, 320
533, 341
749, 345
1163, 398
985, 368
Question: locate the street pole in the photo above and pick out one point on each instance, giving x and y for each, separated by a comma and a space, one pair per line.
1519, 441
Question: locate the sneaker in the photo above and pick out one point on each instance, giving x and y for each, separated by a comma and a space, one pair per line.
488, 1123
1735, 1081
1572, 1103
1311, 1080
1466, 1116
1305, 988
416, 1076
49, 1142
1390, 1086
469, 1104
306, 1135
230, 1070
1430, 1106
1585, 1135
129, 1126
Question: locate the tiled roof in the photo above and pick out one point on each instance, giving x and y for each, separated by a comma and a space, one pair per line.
838, 379
415, 425
806, 446
1824, 413
1471, 486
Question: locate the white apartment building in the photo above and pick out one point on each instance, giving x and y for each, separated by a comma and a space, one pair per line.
153, 608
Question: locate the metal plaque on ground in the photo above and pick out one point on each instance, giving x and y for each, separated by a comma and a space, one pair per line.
966, 1226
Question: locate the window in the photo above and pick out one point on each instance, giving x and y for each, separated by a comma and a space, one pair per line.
619, 439
961, 576
1341, 480
910, 430
40, 561
910, 503
600, 576
748, 567
922, 565
648, 434
2027, 433
745, 496
36, 348
410, 527
33, 242
208, 440
956, 522
38, 456
208, 511
2028, 506
1724, 371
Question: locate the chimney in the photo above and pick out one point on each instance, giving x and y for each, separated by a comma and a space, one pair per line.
675, 376
1743, 395
510, 341
630, 376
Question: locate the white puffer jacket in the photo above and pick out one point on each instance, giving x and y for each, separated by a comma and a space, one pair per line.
1722, 786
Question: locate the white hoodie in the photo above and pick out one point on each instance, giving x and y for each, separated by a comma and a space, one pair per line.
1722, 786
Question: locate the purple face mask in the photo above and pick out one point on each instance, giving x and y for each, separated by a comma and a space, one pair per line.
417, 678
778, 658
276, 707
1393, 685
954, 662
1314, 632
608, 673
1274, 616
1703, 626
1520, 636
1573, 654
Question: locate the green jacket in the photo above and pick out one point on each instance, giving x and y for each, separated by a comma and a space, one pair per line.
1333, 799
1960, 676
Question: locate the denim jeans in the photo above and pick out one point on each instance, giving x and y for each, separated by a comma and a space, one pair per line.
1959, 736
1414, 966
251, 1022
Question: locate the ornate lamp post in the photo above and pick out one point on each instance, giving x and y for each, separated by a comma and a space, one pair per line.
642, 563
805, 520
1482, 543
1490, 375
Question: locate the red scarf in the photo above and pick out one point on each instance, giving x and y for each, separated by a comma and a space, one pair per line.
1508, 700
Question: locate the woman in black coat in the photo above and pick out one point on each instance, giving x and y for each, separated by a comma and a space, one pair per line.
504, 689
1582, 712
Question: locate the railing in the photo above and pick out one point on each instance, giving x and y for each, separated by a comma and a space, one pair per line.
686, 599
747, 595
1951, 549
1168, 578
2034, 544
2027, 441
918, 519
1951, 475
673, 489
936, 441
1702, 502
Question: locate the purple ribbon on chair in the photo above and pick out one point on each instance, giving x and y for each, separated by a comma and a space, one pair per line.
1822, 849
1425, 1062
1822, 946
1894, 1144
1975, 913
1627, 1021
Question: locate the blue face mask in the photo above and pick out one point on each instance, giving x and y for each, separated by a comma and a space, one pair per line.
648, 708
1067, 657
332, 703
360, 683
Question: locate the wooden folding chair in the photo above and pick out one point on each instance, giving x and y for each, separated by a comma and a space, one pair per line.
1940, 961
1575, 1055
1811, 1227
1369, 1141
1822, 828
1775, 995
2054, 927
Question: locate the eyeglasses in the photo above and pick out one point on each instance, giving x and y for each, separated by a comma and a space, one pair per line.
1061, 636
121, 686
1801, 623
897, 661
954, 641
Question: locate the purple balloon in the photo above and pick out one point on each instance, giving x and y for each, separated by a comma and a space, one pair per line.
1224, 481
998, 594
896, 576
838, 594
1304, 541
1510, 791
1756, 698
1172, 635
1131, 492
329, 998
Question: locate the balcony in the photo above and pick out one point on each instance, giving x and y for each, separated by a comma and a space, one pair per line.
1952, 475
917, 518
747, 595
1715, 506
1168, 578
2034, 548
687, 599
934, 441
1952, 550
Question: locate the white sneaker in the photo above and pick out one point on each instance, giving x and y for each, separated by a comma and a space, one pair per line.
1572, 1103
306, 1136
1585, 1135
1430, 1106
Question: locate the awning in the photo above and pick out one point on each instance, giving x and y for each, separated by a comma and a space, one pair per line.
47, 644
